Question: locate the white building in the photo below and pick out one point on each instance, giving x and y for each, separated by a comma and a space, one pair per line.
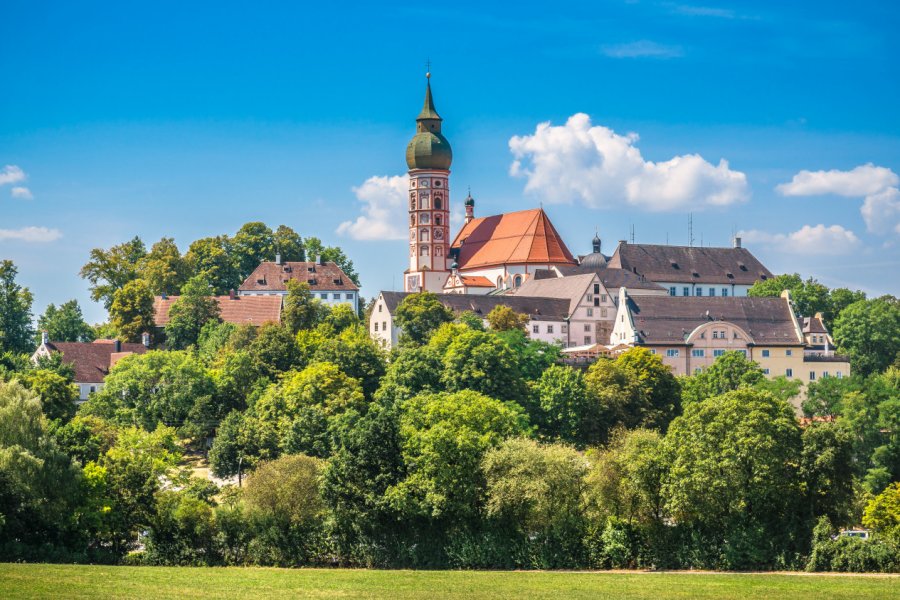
327, 282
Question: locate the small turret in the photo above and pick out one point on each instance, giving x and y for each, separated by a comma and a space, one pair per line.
470, 207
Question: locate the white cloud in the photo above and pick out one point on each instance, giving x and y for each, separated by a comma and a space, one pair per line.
22, 193
30, 234
597, 166
11, 174
862, 181
642, 49
384, 209
878, 185
809, 239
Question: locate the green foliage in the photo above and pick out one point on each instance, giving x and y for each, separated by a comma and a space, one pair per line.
731, 371
357, 355
108, 271
315, 248
733, 476
57, 393
503, 318
565, 408
131, 311
16, 332
443, 439
835, 553
419, 315
882, 513
274, 350
477, 360
211, 258
85, 438
869, 331
659, 389
163, 268
190, 313
156, 387
808, 297
826, 471
66, 323
301, 310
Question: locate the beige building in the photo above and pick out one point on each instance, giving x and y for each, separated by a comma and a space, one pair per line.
690, 332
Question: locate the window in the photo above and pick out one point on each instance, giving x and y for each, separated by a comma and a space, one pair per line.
824, 373
376, 325
563, 328
379, 307
698, 370
839, 375
384, 326
789, 372
604, 313
596, 300
765, 371
324, 296
699, 291
93, 389
438, 251
712, 291
590, 312
438, 203
587, 327
765, 353
424, 251
724, 292
702, 335
686, 291
348, 296
590, 297
698, 353
718, 353
535, 329
549, 328
812, 375
587, 340
788, 352
672, 352
335, 296
652, 350
517, 281
672, 291
596, 288
715, 334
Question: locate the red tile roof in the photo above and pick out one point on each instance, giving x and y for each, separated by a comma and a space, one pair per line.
92, 361
524, 237
273, 277
476, 281
240, 310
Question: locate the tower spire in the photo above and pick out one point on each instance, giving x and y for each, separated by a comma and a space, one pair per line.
428, 110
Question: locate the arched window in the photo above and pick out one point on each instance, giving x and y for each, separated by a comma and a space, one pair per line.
438, 251
438, 202
499, 282
423, 235
424, 251
517, 281
438, 220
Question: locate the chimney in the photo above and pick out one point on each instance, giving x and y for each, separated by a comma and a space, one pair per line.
118, 345
319, 259
231, 294
737, 242
164, 296
45, 337
278, 259
145, 339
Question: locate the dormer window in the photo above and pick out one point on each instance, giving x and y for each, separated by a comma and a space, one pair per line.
742, 266
729, 275
674, 264
311, 281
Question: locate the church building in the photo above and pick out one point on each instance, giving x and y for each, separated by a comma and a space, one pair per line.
499, 252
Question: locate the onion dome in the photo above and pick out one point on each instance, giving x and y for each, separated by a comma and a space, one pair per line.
470, 201
429, 149
594, 260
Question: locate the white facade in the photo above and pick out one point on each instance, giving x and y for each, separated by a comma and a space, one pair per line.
688, 288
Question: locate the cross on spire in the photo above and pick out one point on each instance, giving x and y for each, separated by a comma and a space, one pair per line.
428, 68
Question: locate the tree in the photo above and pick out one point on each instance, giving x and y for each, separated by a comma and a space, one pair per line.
444, 437
808, 297
306, 408
539, 491
275, 350
826, 472
660, 389
58, 395
131, 311
163, 268
66, 323
16, 332
301, 311
253, 244
194, 308
213, 258
315, 249
839, 299
565, 406
110, 270
152, 388
617, 400
419, 315
731, 371
882, 513
503, 318
289, 244
733, 477
480, 361
869, 331
356, 354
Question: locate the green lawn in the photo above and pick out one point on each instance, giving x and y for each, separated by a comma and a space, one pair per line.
68, 581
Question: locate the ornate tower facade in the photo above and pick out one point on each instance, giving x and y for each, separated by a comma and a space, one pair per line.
428, 157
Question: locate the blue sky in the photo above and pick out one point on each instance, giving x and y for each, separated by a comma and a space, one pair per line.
189, 119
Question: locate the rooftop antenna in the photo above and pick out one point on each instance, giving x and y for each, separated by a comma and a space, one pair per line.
691, 229
632, 233
667, 238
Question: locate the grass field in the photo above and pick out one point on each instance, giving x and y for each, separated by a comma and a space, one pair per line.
69, 581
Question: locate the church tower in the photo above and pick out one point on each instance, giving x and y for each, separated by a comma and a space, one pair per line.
428, 157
